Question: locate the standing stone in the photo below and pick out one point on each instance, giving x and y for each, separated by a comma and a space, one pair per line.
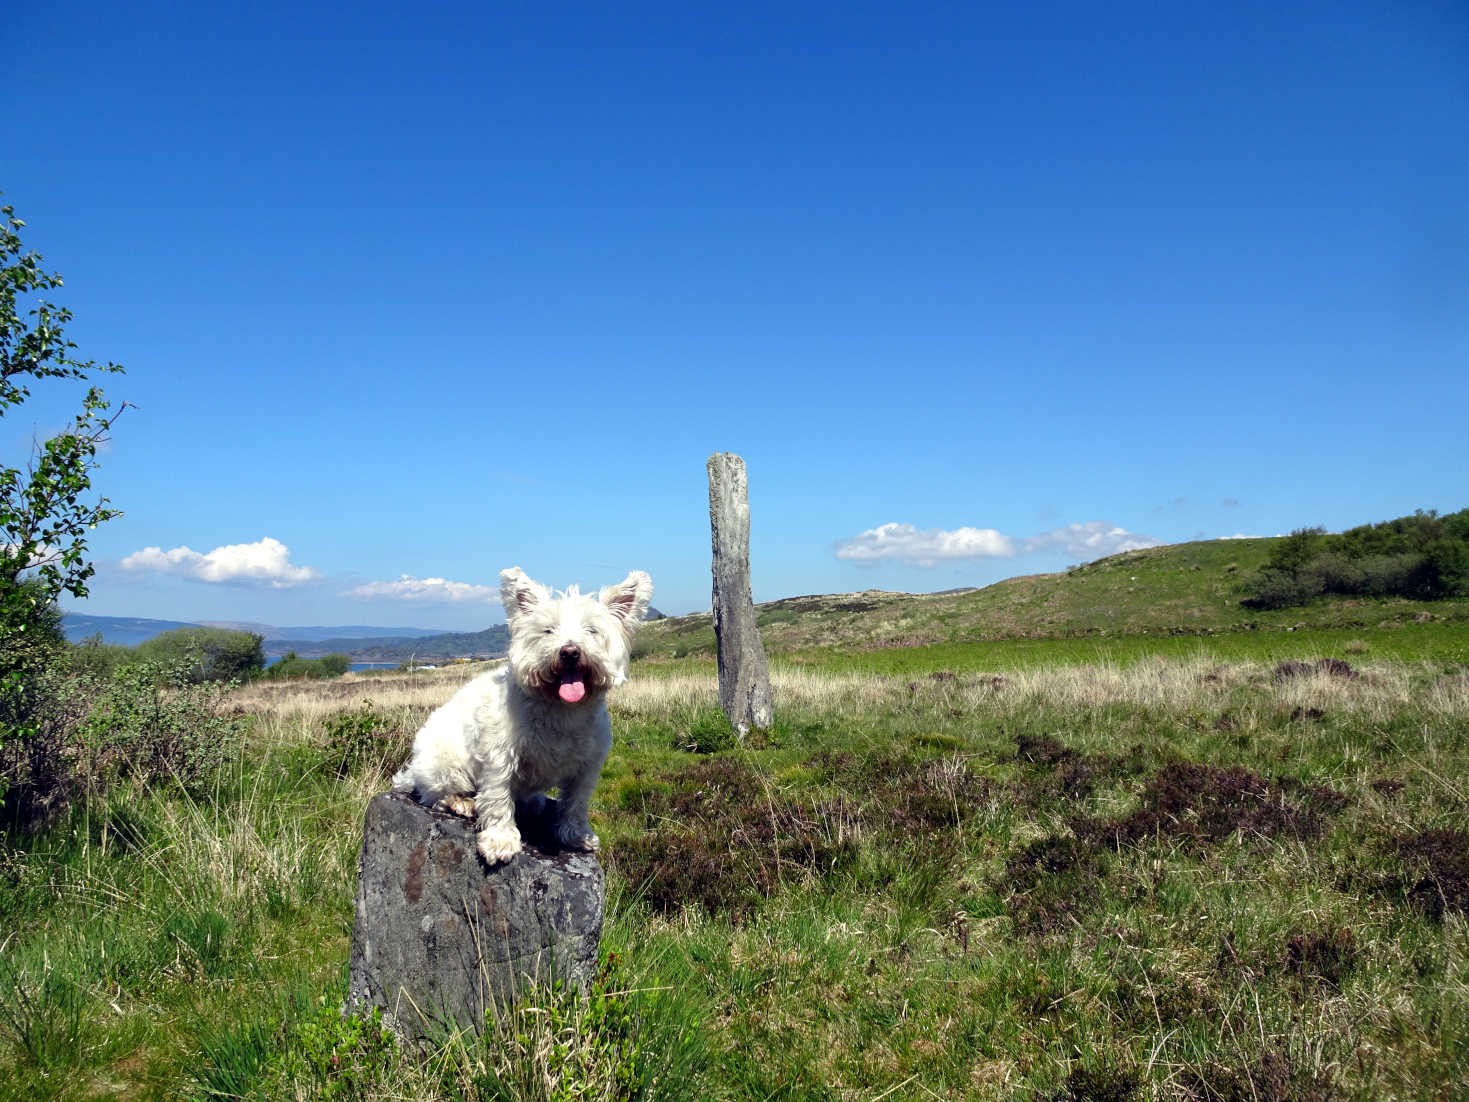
439, 936
744, 677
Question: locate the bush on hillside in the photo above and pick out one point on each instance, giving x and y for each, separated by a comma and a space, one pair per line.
42, 771
1423, 557
365, 736
207, 654
152, 723
143, 724
35, 703
293, 665
94, 656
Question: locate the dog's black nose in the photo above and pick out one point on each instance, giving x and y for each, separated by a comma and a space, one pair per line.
570, 655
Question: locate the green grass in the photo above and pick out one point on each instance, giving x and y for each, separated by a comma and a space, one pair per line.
1189, 589
1007, 949
1446, 642
1031, 869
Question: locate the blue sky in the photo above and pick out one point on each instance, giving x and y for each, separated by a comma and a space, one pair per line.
425, 291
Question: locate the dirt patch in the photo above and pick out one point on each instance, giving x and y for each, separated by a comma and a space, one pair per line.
1331, 667
1066, 772
1271, 1079
1203, 804
1041, 750
1325, 957
907, 795
720, 839
1437, 863
1099, 1085
1052, 882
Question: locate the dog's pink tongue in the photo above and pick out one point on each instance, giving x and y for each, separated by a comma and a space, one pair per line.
571, 691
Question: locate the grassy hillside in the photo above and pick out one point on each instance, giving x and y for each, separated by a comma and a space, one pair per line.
1178, 880
1186, 589
1070, 837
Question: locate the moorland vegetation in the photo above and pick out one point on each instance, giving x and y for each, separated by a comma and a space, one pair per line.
1166, 878
1215, 866
1424, 556
1094, 837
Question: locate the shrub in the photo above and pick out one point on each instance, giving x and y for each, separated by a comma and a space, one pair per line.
95, 657
362, 737
293, 665
152, 723
1333, 572
207, 654
1422, 557
1279, 589
1384, 575
332, 1055
41, 771
86, 731
1447, 567
1296, 550
708, 733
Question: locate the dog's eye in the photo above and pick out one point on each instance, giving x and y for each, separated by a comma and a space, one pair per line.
549, 631
591, 631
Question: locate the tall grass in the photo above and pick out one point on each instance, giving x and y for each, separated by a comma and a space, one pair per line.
1177, 877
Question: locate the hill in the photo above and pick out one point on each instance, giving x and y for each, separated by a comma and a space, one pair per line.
1181, 589
117, 631
271, 633
364, 643
490, 643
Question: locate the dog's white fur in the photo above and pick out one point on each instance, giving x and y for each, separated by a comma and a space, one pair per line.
509, 735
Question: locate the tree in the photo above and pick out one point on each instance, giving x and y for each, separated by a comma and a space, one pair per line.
208, 654
46, 510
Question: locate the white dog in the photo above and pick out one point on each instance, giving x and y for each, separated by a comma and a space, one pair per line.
536, 723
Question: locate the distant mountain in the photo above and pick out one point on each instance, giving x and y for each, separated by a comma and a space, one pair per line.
315, 634
361, 641
490, 643
118, 631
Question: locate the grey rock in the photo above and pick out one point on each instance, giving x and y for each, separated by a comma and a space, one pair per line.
744, 676
439, 936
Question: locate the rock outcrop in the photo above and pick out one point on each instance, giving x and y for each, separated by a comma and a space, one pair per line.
439, 936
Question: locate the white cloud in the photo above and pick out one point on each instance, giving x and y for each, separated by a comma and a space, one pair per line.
426, 591
40, 555
267, 562
907, 544
1095, 539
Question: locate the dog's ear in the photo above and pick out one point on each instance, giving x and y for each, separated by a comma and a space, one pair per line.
628, 599
518, 593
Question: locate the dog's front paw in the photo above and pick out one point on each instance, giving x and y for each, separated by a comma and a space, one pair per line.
459, 805
498, 844
578, 836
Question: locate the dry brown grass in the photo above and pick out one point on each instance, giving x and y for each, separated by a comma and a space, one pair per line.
315, 700
1172, 686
